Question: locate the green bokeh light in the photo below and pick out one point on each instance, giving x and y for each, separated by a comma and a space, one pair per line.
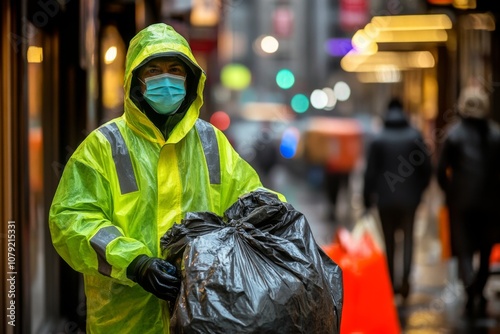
285, 78
300, 103
235, 76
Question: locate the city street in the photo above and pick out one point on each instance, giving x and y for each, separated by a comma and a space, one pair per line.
436, 300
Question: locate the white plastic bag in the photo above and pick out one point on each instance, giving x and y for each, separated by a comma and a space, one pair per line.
369, 223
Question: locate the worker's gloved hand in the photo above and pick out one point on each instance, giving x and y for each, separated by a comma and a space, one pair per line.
156, 276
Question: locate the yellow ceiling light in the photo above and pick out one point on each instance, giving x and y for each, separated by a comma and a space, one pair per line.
365, 56
353, 62
411, 22
401, 29
464, 4
412, 36
382, 75
35, 54
363, 42
371, 30
421, 59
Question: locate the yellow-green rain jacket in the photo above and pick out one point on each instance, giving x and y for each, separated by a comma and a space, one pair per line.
125, 186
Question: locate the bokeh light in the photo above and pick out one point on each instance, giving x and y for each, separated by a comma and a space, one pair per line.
235, 76
319, 99
285, 78
342, 91
289, 142
269, 44
332, 99
110, 55
300, 103
220, 120
338, 47
35, 54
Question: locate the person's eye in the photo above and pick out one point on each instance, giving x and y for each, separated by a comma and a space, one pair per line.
177, 70
154, 70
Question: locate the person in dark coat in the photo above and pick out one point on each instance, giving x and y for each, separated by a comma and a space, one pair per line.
398, 170
266, 153
469, 173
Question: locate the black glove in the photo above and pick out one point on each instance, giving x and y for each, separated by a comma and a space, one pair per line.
156, 276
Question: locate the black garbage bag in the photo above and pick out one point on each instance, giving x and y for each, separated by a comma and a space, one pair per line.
258, 269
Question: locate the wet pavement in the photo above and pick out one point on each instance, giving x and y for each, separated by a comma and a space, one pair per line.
436, 300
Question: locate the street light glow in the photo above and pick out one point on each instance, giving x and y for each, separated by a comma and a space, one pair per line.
285, 78
300, 103
269, 44
342, 91
110, 55
319, 99
332, 99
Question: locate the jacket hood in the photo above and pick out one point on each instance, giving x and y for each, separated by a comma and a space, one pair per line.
395, 117
161, 40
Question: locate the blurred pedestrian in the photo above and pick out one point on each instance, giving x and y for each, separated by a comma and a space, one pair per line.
336, 182
266, 153
469, 174
136, 176
398, 170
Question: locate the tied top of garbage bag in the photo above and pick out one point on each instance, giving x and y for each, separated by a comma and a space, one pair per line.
258, 269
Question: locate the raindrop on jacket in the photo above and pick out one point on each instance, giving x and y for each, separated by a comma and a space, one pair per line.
125, 186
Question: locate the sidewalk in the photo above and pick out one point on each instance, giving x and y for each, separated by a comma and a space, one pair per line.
436, 300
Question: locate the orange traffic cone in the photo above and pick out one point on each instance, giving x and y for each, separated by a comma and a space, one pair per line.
369, 306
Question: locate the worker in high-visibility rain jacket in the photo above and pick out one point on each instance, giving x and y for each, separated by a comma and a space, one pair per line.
137, 175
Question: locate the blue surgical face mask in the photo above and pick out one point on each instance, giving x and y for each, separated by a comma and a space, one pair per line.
165, 92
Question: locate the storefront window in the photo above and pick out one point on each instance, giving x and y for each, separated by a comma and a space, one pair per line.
475, 50
113, 71
37, 212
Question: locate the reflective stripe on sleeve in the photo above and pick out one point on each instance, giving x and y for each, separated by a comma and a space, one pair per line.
99, 242
121, 157
210, 148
